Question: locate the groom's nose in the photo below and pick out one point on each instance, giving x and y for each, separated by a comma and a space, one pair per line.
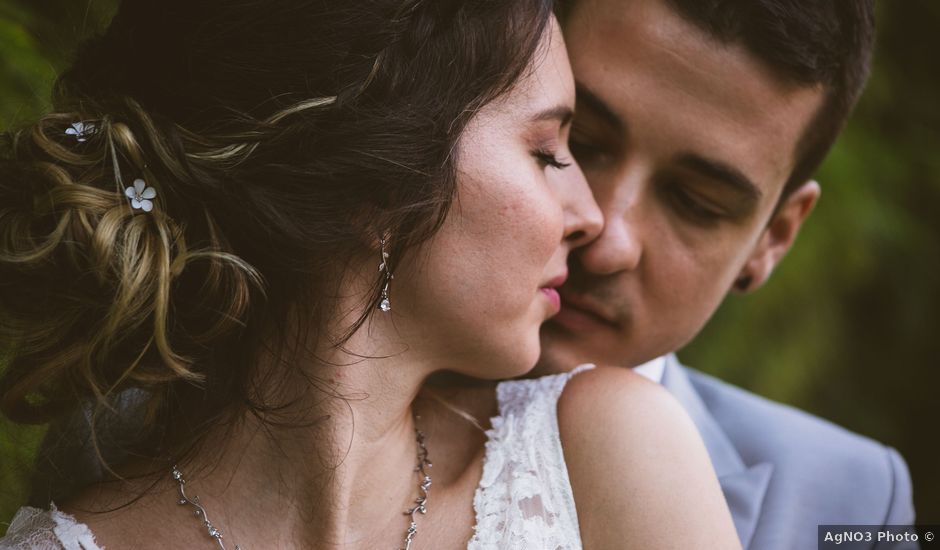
619, 246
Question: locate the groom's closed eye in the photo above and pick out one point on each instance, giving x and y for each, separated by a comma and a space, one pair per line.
706, 193
716, 188
690, 203
589, 152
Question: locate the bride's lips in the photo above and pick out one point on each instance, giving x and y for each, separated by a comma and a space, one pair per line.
579, 314
550, 291
553, 297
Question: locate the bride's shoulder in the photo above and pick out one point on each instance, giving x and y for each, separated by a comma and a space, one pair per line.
611, 409
614, 394
629, 445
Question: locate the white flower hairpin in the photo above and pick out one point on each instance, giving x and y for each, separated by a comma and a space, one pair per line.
81, 130
140, 195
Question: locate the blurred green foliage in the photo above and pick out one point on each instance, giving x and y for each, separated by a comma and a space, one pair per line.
848, 326
36, 38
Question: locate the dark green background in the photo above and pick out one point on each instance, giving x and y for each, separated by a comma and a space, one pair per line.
848, 328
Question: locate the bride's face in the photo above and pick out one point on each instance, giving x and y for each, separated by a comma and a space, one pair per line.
473, 298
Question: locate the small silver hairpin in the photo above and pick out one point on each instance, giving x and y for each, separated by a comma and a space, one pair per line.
81, 130
140, 195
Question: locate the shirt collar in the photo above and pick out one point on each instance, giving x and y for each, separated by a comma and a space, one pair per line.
653, 369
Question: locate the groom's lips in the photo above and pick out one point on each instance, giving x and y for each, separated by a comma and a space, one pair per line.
579, 313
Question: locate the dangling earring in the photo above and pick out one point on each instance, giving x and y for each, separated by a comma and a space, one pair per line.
385, 305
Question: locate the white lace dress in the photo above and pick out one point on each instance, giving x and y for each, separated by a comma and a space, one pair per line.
523, 502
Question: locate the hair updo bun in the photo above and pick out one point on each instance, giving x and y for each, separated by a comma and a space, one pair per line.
90, 285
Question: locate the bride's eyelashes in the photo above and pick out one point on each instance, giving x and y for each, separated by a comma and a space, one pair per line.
549, 158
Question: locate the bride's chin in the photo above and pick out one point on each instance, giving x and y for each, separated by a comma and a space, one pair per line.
527, 360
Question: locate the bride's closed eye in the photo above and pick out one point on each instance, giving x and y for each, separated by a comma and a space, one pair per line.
550, 158
550, 134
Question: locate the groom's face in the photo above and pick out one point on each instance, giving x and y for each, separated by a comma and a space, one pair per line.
687, 144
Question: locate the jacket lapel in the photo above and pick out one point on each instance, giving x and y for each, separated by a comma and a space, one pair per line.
744, 486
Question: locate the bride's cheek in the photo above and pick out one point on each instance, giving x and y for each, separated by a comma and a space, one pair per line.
548, 221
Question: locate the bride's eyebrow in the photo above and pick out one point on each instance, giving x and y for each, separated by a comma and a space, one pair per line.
561, 113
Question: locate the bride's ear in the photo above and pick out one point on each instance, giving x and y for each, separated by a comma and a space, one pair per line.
372, 223
377, 239
778, 237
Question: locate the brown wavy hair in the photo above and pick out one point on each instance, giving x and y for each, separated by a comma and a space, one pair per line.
281, 138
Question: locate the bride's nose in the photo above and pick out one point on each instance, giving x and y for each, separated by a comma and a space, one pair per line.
583, 218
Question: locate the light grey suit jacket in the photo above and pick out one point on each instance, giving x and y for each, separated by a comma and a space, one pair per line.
783, 471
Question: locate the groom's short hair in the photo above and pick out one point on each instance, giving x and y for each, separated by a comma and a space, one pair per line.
824, 43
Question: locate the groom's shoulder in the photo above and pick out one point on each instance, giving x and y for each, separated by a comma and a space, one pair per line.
810, 448
740, 412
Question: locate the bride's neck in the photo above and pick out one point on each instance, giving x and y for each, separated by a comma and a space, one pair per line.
337, 474
345, 467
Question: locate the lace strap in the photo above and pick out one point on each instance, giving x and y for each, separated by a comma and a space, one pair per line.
520, 398
524, 499
35, 529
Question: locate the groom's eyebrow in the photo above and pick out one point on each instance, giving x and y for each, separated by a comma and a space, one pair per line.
590, 101
714, 170
722, 173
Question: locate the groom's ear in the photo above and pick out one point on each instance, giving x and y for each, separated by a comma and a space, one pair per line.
778, 236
